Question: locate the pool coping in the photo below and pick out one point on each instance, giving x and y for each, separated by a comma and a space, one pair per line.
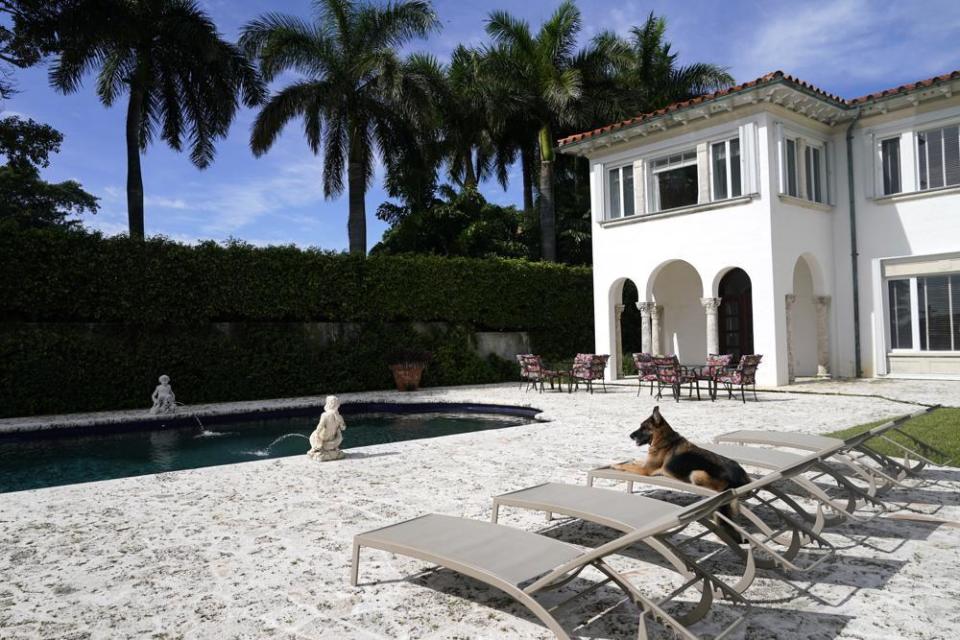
221, 413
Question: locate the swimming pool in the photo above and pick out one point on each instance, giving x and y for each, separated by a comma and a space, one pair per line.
34, 461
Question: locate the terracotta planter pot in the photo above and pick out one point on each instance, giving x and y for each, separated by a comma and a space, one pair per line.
407, 376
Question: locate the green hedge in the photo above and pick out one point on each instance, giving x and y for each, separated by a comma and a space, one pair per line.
89, 323
75, 277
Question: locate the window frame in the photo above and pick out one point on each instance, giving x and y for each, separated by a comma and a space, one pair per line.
653, 184
802, 139
918, 339
608, 205
820, 148
728, 164
881, 175
923, 129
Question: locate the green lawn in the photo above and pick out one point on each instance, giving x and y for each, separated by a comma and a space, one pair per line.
940, 428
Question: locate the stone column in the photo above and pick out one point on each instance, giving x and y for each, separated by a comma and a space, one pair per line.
822, 304
710, 306
617, 366
645, 309
656, 324
790, 299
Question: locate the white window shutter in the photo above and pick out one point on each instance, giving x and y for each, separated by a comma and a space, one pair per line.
781, 159
828, 176
872, 166
703, 172
802, 187
908, 162
639, 188
748, 157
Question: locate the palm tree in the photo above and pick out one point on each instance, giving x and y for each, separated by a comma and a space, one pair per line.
357, 96
646, 75
547, 85
181, 78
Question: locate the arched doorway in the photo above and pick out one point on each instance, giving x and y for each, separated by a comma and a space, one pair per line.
681, 327
736, 314
630, 329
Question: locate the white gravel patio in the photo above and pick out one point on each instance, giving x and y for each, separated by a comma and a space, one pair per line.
262, 549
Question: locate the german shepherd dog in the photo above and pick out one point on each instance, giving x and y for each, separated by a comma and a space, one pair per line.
672, 455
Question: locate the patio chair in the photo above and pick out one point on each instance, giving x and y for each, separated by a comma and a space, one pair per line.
532, 372
671, 374
854, 452
715, 366
588, 367
523, 564
744, 375
646, 371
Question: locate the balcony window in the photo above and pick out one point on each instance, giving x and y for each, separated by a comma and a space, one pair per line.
675, 181
620, 191
725, 163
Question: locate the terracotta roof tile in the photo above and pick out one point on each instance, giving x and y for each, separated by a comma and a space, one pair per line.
762, 80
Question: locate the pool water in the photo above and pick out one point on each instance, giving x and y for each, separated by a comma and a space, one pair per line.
53, 461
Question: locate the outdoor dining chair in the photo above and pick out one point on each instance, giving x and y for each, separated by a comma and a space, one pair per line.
716, 365
588, 368
743, 376
671, 374
533, 372
646, 370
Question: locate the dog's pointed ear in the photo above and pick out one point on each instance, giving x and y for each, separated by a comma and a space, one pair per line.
657, 418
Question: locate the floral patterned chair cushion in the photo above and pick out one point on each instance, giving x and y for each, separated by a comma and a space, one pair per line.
645, 367
589, 366
716, 365
670, 372
745, 373
531, 367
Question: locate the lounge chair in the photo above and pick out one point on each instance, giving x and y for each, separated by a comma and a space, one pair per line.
646, 370
523, 564
623, 511
855, 451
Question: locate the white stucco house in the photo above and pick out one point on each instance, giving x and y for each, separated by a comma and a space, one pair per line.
776, 218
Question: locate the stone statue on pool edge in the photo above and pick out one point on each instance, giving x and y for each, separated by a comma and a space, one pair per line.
325, 440
163, 399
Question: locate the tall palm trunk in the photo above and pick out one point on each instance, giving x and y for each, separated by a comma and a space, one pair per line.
548, 214
526, 166
357, 187
470, 179
134, 177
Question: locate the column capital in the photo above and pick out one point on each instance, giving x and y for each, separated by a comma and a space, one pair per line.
710, 304
823, 301
790, 298
646, 307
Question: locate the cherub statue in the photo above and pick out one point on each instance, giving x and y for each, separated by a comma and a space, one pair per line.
325, 440
163, 399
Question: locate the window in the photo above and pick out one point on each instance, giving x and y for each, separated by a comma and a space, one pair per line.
901, 326
804, 169
938, 157
725, 162
792, 179
937, 295
620, 189
890, 165
814, 166
675, 181
933, 312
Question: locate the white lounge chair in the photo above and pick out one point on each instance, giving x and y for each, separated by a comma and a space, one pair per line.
523, 564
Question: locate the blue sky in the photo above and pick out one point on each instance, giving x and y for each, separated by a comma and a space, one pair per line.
848, 47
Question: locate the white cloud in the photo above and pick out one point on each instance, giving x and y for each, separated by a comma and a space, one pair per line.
851, 40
